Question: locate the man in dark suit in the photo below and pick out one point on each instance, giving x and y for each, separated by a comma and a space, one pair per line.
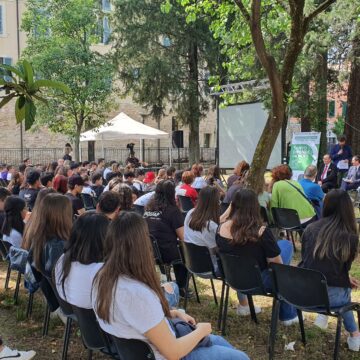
327, 175
352, 179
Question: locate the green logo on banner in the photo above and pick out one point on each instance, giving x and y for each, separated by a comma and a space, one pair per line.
301, 156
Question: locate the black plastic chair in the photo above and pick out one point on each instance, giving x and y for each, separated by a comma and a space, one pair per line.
288, 220
165, 268
130, 349
186, 203
306, 290
241, 273
265, 216
4, 249
88, 202
94, 339
139, 209
68, 311
197, 260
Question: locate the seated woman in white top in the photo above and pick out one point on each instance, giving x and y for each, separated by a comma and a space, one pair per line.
83, 257
199, 181
129, 302
13, 226
202, 222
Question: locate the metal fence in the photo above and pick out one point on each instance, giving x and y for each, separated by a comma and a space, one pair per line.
150, 155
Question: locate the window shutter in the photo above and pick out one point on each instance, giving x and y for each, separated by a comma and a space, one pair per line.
106, 6
7, 61
107, 31
331, 108
344, 109
1, 20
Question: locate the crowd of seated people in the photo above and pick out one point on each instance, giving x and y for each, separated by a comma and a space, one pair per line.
103, 258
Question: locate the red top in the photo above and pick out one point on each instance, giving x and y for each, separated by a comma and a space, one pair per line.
190, 192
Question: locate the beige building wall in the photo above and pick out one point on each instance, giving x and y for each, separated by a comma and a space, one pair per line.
43, 138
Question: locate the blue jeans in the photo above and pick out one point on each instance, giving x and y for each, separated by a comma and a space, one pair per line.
173, 296
339, 297
219, 350
287, 312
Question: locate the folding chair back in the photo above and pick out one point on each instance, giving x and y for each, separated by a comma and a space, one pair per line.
131, 349
242, 273
185, 203
303, 288
197, 258
287, 219
91, 333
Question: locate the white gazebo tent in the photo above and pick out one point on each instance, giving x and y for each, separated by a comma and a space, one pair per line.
123, 127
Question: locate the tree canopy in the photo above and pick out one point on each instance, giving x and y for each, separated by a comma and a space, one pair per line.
60, 39
164, 60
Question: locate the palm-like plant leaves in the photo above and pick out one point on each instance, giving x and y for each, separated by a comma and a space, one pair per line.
23, 86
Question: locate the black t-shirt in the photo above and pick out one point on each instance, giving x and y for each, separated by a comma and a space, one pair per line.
336, 272
98, 189
76, 202
29, 195
2, 219
266, 247
67, 157
163, 225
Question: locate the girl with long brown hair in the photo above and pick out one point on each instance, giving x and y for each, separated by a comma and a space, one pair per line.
129, 302
49, 231
202, 222
243, 234
15, 183
330, 245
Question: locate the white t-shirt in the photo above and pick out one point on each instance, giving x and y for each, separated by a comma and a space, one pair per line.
15, 238
201, 238
137, 310
199, 183
207, 237
144, 200
78, 283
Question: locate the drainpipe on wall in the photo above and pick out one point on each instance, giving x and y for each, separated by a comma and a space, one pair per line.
18, 57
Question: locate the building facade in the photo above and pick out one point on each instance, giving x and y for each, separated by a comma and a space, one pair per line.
13, 41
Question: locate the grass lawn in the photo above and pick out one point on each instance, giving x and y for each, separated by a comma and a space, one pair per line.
22, 333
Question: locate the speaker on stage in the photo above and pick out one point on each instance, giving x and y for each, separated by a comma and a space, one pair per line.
178, 139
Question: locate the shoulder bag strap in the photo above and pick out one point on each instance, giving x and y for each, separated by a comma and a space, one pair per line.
299, 191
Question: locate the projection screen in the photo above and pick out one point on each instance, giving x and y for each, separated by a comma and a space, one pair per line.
240, 128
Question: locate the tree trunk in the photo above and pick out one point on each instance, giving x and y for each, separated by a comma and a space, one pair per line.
320, 99
304, 101
77, 145
352, 125
194, 105
194, 146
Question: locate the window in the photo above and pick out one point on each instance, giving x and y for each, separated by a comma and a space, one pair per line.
6, 61
344, 109
106, 6
207, 138
2, 19
106, 30
331, 105
166, 41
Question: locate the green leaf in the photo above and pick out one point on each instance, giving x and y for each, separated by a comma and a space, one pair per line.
52, 84
30, 113
12, 69
6, 99
20, 109
28, 72
39, 98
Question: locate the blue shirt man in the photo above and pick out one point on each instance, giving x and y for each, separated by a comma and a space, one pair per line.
311, 189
